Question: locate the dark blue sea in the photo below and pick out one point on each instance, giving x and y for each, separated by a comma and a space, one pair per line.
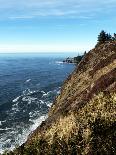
28, 86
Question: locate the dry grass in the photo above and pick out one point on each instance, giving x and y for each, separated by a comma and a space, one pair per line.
89, 130
103, 106
101, 110
81, 123
81, 81
64, 127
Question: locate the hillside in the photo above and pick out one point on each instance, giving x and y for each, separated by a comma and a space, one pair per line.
82, 119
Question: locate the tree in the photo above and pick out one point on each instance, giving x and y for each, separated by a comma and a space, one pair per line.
85, 53
108, 37
102, 37
114, 37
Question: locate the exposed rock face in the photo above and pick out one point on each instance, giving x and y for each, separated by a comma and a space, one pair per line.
82, 118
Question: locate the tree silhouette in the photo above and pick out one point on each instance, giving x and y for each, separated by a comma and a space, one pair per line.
102, 37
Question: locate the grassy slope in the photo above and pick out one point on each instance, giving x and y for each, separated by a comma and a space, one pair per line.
82, 118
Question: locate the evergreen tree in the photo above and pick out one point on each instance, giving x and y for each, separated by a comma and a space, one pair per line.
102, 37
85, 53
108, 37
114, 37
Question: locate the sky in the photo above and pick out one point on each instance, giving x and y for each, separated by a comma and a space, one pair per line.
54, 25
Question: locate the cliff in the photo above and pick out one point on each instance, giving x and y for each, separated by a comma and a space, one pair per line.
82, 119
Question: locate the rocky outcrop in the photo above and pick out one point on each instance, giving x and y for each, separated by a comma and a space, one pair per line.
74, 60
82, 118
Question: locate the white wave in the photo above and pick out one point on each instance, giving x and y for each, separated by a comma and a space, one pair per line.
49, 104
20, 138
34, 123
16, 99
0, 123
28, 80
59, 62
3, 121
37, 122
41, 102
28, 99
58, 92
43, 92
29, 92
31, 114
5, 129
47, 94
26, 92
15, 107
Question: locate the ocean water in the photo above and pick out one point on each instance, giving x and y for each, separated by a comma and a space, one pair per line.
28, 86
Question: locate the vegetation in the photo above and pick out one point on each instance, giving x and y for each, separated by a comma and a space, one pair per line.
82, 118
92, 130
103, 37
75, 60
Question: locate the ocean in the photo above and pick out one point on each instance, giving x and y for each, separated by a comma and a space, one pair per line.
28, 86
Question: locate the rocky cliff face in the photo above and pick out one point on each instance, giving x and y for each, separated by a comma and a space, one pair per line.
82, 118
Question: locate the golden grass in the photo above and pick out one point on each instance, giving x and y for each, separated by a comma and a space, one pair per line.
101, 107
64, 127
77, 86
90, 130
105, 70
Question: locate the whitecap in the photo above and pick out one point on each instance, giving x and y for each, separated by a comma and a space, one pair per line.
29, 92
15, 109
58, 92
43, 92
47, 94
21, 138
28, 99
49, 104
30, 114
16, 99
28, 80
41, 101
59, 62
37, 122
5, 129
34, 116
26, 92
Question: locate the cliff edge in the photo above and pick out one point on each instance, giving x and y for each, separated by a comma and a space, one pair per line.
82, 119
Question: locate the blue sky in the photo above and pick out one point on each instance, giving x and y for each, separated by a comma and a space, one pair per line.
54, 25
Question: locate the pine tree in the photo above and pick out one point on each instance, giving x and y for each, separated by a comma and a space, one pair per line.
114, 37
105, 37
108, 37
102, 37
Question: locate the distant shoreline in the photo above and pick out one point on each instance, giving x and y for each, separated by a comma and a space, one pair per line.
74, 60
